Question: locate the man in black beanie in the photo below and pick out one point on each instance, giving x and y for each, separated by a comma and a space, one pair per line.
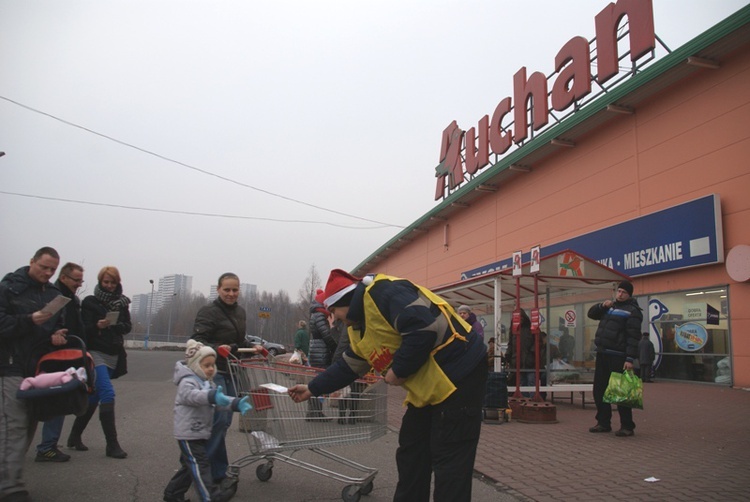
616, 340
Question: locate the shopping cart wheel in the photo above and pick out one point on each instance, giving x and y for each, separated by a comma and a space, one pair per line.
351, 493
264, 471
365, 489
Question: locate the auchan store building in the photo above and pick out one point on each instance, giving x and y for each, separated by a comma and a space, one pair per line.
619, 160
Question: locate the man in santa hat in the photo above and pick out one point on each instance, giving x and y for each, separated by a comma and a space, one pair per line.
416, 340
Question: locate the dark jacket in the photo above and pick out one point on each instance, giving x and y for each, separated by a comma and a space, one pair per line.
108, 340
567, 346
322, 343
72, 319
220, 324
475, 324
21, 296
619, 328
528, 361
646, 352
409, 313
340, 330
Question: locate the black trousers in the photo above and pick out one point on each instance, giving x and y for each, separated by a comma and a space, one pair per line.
195, 468
442, 439
605, 365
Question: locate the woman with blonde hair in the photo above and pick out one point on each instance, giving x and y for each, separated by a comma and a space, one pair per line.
104, 339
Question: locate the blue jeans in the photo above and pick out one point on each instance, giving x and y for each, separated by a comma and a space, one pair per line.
51, 432
216, 447
104, 392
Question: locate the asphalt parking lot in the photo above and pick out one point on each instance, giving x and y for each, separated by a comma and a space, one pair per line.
144, 418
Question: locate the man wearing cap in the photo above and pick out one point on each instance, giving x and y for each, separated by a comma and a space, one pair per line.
616, 340
416, 340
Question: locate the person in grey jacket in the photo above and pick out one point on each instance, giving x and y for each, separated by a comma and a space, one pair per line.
193, 419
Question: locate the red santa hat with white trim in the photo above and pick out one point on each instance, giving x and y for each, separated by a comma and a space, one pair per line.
339, 284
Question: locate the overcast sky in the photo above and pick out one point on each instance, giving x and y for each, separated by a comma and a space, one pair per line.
309, 129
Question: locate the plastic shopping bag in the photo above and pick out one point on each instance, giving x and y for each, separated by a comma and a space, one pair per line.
296, 357
624, 389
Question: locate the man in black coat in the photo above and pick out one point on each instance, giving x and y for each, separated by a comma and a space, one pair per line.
24, 325
68, 282
616, 342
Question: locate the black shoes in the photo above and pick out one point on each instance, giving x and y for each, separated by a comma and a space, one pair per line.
20, 496
623, 433
113, 450
53, 455
77, 444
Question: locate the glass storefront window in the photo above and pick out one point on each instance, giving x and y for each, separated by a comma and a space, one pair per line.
689, 330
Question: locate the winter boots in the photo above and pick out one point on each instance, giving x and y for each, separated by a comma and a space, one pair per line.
74, 440
107, 418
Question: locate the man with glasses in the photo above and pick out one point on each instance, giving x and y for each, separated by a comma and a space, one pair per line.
23, 323
68, 282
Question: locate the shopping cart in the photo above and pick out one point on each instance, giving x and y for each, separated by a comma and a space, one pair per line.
277, 424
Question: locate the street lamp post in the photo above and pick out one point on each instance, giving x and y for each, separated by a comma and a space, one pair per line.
148, 317
169, 326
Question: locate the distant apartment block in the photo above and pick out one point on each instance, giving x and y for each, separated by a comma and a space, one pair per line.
248, 291
171, 286
140, 304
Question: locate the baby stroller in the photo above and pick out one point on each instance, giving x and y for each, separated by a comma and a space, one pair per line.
70, 398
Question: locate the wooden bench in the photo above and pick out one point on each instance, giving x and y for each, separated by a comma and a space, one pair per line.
583, 388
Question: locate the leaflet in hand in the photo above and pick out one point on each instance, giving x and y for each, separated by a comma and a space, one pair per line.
275, 387
112, 317
54, 306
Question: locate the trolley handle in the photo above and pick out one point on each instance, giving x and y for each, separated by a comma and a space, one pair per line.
226, 353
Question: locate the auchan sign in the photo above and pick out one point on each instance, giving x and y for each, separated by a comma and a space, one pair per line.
571, 81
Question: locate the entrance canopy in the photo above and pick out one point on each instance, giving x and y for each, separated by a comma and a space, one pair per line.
564, 277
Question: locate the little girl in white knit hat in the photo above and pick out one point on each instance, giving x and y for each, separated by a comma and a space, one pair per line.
193, 418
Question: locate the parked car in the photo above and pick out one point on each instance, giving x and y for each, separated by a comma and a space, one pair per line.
273, 348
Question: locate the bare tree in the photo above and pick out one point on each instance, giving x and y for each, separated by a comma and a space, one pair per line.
312, 282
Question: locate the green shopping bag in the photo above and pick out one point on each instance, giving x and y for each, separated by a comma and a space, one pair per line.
624, 389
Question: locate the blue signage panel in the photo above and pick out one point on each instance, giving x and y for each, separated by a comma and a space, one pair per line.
682, 236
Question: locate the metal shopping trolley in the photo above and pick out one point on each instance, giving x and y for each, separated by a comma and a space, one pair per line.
277, 424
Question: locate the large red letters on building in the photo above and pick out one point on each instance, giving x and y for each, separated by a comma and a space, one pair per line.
573, 81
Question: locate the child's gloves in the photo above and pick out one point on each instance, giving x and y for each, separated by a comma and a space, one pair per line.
244, 406
221, 399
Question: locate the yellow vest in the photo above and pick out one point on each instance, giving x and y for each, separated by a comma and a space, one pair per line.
429, 385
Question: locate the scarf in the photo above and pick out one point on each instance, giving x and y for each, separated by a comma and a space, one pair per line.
115, 300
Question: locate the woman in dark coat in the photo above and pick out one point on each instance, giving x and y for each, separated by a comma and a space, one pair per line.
322, 342
221, 325
104, 337
322, 345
